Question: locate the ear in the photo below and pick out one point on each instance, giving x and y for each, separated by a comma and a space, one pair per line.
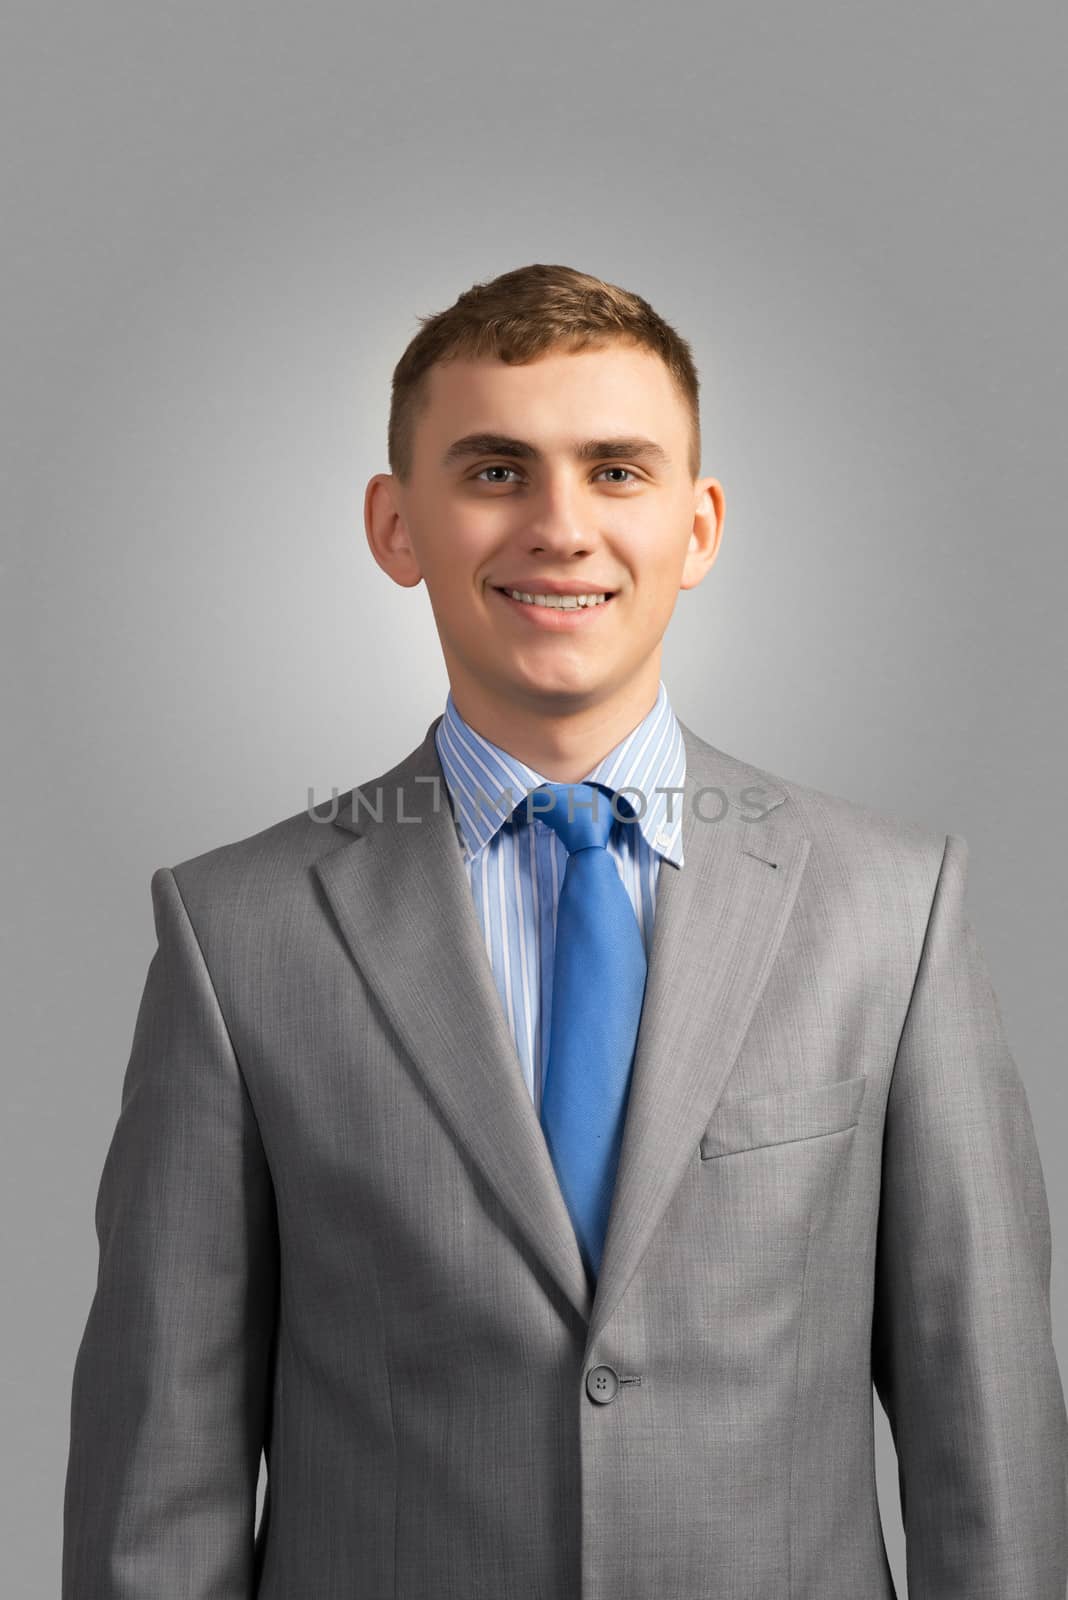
706, 533
387, 533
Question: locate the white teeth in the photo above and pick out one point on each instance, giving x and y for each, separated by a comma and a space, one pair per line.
558, 602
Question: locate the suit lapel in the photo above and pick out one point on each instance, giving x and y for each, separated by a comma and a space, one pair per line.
403, 902
399, 890
718, 924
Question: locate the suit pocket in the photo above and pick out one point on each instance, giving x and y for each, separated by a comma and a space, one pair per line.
783, 1117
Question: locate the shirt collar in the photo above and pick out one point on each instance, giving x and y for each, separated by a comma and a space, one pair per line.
651, 758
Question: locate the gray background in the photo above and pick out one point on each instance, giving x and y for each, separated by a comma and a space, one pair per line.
221, 222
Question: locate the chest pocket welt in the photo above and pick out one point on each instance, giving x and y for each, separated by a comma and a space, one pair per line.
782, 1117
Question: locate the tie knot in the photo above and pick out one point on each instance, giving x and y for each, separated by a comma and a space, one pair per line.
580, 814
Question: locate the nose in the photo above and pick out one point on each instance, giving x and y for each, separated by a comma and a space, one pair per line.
560, 526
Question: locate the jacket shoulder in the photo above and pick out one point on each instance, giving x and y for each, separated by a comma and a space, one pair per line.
243, 875
846, 835
262, 874
867, 864
831, 816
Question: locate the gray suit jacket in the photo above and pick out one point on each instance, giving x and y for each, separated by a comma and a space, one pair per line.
330, 1227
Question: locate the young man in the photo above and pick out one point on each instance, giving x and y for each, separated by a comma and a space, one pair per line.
541, 1156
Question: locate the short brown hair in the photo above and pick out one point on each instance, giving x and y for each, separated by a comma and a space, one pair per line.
521, 315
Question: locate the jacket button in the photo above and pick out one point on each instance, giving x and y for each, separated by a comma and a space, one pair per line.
602, 1384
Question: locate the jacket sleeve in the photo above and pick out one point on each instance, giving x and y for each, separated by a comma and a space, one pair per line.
962, 1351
170, 1389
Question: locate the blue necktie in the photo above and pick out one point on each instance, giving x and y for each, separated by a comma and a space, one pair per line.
599, 972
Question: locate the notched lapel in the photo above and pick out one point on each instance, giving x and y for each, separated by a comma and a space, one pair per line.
719, 921
399, 890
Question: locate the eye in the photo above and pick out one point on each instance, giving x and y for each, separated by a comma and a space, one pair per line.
501, 467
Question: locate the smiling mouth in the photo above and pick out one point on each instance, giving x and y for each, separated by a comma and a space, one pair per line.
595, 599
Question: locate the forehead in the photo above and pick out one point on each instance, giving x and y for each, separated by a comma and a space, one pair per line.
614, 389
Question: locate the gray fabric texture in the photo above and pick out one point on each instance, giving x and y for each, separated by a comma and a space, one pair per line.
329, 1227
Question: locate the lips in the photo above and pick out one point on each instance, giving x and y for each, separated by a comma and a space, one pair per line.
555, 619
555, 590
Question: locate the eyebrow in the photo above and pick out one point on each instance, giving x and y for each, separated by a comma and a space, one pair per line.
500, 444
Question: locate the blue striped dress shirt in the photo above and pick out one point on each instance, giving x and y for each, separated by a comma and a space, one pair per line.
516, 870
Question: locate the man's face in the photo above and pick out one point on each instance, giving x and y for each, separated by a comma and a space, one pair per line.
482, 514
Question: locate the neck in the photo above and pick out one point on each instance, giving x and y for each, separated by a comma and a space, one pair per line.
560, 736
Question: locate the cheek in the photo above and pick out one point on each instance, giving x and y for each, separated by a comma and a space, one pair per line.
449, 572
654, 600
